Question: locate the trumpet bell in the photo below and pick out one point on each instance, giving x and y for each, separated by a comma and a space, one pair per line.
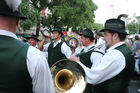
68, 77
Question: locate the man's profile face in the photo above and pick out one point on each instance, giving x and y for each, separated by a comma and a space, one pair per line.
32, 41
83, 40
108, 39
56, 35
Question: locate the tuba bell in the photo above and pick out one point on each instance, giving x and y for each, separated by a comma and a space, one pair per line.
68, 77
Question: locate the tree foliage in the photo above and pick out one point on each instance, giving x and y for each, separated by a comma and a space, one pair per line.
72, 13
65, 13
98, 26
132, 27
32, 16
138, 22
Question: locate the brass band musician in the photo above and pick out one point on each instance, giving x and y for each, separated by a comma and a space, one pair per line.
113, 73
23, 68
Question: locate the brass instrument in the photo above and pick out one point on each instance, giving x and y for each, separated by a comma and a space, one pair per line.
46, 33
72, 42
68, 77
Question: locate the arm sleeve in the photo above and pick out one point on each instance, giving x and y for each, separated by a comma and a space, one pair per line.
65, 49
39, 71
95, 58
45, 47
100, 43
111, 65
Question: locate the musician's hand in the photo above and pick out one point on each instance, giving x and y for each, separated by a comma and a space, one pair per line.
74, 58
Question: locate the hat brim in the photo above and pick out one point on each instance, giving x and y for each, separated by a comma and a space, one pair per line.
114, 30
86, 35
15, 14
32, 37
59, 32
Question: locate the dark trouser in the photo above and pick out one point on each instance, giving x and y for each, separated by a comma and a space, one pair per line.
89, 89
139, 68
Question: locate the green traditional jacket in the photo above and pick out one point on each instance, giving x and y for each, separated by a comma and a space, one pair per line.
14, 76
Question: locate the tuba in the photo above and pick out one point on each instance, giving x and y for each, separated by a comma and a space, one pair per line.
68, 77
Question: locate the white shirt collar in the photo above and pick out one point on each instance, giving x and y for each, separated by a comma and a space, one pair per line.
116, 45
56, 43
7, 33
88, 47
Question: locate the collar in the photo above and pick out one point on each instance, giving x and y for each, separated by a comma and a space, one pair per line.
116, 45
88, 47
56, 43
7, 33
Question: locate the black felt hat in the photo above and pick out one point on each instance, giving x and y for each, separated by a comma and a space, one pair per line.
58, 29
115, 25
11, 8
99, 33
32, 36
87, 33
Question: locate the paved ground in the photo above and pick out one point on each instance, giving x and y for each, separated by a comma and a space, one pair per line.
134, 84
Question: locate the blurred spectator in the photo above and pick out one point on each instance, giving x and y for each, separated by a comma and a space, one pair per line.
80, 47
136, 45
33, 40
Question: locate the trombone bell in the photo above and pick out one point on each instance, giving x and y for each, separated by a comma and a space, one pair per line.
64, 79
68, 77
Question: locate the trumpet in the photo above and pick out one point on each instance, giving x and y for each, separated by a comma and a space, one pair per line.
68, 77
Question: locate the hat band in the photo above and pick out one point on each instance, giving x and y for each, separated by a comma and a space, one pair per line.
114, 25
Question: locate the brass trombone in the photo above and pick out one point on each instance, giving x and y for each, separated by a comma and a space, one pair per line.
68, 77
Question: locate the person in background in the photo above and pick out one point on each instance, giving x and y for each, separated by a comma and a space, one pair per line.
138, 56
33, 40
113, 73
57, 49
136, 45
91, 56
73, 45
139, 60
23, 68
129, 42
135, 48
80, 46
100, 43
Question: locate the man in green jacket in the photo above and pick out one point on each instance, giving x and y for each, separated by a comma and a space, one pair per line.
23, 68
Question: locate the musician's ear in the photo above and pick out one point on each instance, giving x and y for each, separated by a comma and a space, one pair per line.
18, 21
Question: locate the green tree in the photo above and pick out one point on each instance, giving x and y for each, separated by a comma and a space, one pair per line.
138, 22
98, 26
32, 16
32, 10
133, 27
70, 13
